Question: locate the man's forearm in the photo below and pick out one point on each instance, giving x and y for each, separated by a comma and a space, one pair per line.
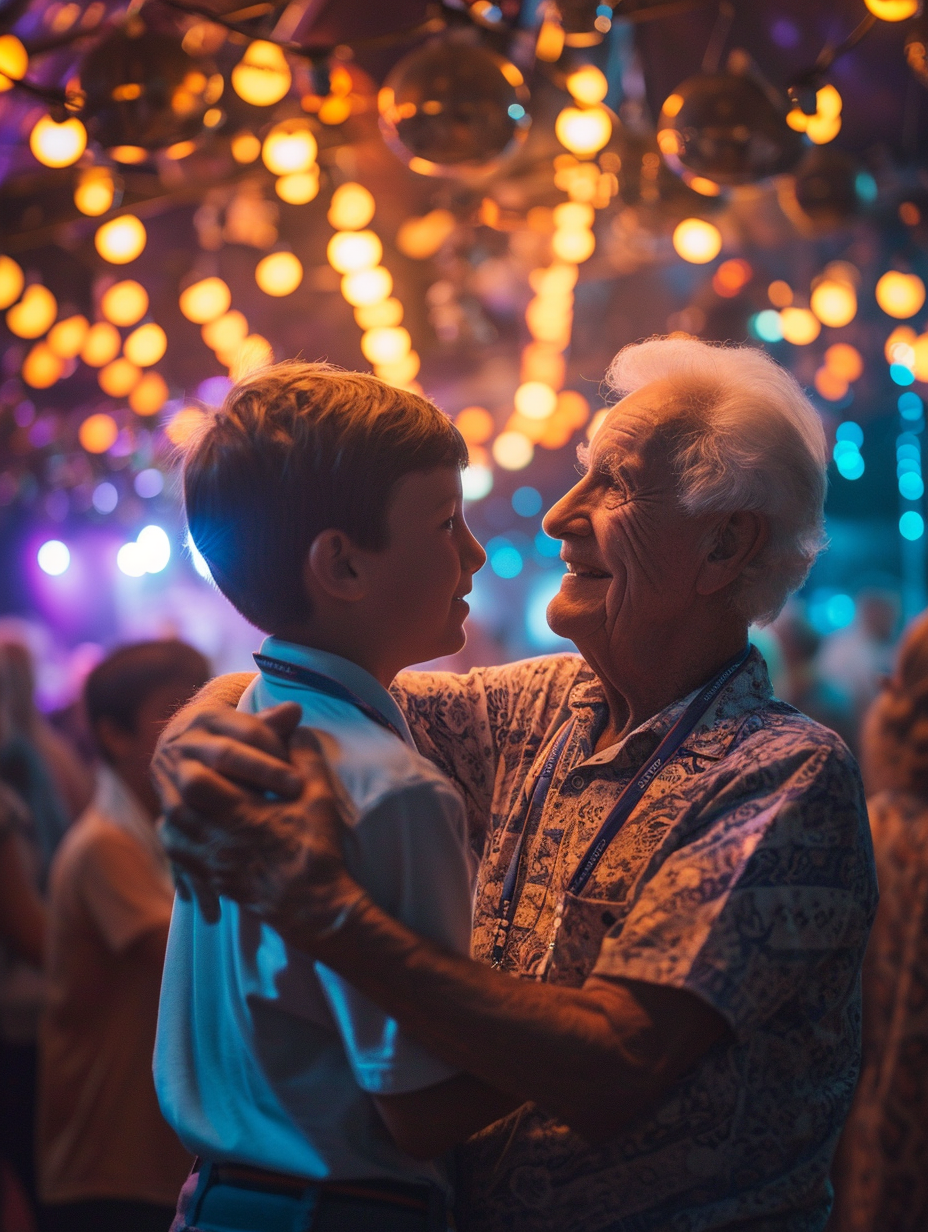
593, 1057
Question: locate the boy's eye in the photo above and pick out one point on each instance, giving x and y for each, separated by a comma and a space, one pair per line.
449, 523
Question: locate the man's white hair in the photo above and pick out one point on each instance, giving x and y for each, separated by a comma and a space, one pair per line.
747, 438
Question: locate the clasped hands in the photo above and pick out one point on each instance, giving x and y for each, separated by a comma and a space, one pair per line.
250, 813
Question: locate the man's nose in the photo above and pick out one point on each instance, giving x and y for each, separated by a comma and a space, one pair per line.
566, 517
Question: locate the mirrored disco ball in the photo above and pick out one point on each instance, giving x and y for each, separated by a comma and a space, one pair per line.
453, 108
724, 127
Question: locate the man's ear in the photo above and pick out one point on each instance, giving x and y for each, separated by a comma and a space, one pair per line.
333, 565
734, 542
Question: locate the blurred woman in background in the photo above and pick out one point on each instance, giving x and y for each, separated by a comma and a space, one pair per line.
881, 1168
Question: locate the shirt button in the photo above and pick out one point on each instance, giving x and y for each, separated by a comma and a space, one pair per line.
578, 781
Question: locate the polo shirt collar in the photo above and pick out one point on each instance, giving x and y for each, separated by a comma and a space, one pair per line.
747, 692
349, 675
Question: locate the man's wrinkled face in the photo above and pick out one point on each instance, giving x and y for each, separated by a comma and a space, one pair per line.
632, 553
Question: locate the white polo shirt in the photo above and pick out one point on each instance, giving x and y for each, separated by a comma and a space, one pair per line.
265, 1057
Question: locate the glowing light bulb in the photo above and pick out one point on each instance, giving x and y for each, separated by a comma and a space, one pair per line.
101, 344
262, 76
34, 313
298, 188
146, 345
225, 331
575, 246
245, 147
830, 384
95, 191
386, 345
253, 353
98, 432
513, 451
588, 85
697, 241
844, 361
129, 560
150, 395
58, 145
475, 424
833, 302
384, 313
367, 286
349, 251
185, 424
799, 325
131, 154
900, 295
14, 61
67, 337
573, 216
422, 237
125, 302
54, 557
154, 547
121, 239
41, 367
289, 148
902, 335
351, 208
892, 10
279, 274
535, 400
11, 281
119, 378
399, 371
583, 132
205, 300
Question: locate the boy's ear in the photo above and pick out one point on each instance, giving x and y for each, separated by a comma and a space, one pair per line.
333, 566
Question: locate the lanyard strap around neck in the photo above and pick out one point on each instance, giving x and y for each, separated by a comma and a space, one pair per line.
295, 673
619, 814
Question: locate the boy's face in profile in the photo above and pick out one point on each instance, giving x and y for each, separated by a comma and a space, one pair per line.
418, 582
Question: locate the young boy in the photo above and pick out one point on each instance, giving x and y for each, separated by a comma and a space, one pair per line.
107, 1160
327, 505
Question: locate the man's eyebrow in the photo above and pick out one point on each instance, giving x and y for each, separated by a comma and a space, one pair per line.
608, 463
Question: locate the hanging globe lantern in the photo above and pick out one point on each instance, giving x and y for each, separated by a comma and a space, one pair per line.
825, 193
452, 108
144, 92
724, 127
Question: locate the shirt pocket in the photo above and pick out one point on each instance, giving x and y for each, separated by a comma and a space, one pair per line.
584, 925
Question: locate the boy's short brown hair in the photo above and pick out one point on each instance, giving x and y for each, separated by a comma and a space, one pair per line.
296, 449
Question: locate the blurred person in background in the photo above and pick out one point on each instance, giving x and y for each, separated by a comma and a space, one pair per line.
800, 682
881, 1168
25, 851
856, 659
107, 1160
36, 759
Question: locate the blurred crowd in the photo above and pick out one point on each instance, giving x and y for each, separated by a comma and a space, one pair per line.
86, 895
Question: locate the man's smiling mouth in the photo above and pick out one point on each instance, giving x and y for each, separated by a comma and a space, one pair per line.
585, 571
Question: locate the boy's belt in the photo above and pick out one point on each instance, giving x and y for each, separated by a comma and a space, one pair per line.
394, 1193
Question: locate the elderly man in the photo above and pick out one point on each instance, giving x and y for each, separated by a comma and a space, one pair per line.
676, 882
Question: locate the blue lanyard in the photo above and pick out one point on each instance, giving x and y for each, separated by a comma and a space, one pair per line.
295, 674
619, 814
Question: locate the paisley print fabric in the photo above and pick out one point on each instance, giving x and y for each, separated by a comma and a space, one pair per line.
745, 875
881, 1169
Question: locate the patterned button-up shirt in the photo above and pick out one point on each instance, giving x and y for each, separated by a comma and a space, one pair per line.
745, 875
